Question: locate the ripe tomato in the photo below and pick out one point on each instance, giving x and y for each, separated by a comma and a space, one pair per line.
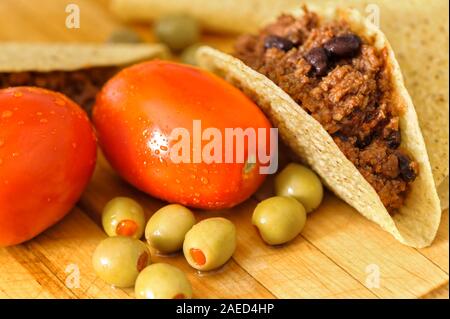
47, 156
136, 113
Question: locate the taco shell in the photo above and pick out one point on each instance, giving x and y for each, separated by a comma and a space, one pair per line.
416, 223
37, 57
76, 70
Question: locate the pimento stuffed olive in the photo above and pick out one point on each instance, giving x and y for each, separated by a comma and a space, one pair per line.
166, 229
301, 183
119, 260
210, 243
162, 281
279, 219
123, 216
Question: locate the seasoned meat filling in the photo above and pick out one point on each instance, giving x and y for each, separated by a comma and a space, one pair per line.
81, 85
344, 83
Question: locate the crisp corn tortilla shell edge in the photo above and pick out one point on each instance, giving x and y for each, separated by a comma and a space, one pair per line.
417, 222
443, 190
46, 57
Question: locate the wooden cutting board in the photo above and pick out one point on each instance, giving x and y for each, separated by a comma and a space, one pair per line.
337, 255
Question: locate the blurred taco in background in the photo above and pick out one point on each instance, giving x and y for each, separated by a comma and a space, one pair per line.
76, 70
219, 16
330, 82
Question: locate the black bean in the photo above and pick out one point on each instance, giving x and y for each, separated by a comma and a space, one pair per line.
341, 136
394, 139
406, 171
343, 46
364, 141
273, 41
318, 58
370, 115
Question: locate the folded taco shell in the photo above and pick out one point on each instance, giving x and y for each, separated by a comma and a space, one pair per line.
46, 57
417, 221
76, 70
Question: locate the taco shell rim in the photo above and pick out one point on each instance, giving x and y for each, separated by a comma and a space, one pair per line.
46, 57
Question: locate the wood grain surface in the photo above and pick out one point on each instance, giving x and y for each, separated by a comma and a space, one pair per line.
334, 257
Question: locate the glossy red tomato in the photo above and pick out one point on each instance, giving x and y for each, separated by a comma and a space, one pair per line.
136, 113
47, 156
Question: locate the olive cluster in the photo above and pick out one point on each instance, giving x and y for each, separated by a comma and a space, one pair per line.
123, 260
281, 218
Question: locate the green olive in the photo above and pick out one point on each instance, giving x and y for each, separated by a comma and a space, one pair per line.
279, 219
177, 31
118, 260
167, 227
123, 216
189, 55
162, 281
301, 183
210, 243
124, 35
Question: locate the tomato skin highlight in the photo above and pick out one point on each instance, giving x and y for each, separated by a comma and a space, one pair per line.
136, 112
47, 156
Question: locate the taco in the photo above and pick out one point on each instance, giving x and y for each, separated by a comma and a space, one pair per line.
220, 16
76, 70
331, 84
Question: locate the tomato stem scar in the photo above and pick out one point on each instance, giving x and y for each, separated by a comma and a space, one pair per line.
249, 165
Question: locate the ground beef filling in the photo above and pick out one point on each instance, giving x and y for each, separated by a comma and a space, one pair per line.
81, 85
344, 83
